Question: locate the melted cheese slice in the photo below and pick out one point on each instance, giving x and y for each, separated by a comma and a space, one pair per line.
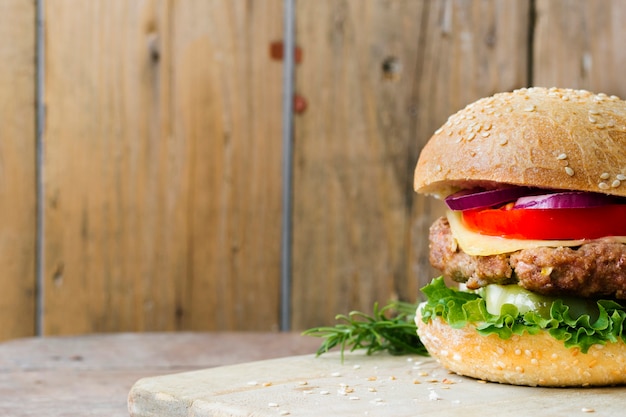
475, 244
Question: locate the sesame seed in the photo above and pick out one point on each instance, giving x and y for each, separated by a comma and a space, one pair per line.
592, 119
503, 141
593, 111
529, 108
438, 131
569, 171
433, 396
603, 185
587, 410
621, 177
484, 134
561, 156
616, 183
272, 405
605, 175
471, 136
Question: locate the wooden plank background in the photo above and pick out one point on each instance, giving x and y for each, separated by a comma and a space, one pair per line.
17, 169
162, 147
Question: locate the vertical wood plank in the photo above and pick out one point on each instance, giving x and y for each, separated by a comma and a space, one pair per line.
227, 103
114, 200
17, 169
580, 44
380, 77
160, 176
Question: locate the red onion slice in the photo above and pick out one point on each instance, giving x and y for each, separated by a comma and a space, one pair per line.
471, 199
570, 199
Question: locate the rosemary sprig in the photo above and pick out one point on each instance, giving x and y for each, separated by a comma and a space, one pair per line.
391, 328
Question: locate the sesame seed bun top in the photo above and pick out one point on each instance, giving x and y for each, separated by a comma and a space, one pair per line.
549, 138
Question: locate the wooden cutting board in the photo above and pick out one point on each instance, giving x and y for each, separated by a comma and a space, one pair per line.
378, 385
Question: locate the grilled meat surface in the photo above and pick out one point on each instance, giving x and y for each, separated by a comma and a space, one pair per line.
592, 270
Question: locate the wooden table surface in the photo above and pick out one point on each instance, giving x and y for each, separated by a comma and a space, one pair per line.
92, 375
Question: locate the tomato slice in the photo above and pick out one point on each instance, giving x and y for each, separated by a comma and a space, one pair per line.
546, 224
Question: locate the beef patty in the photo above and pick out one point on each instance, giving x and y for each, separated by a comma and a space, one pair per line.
592, 270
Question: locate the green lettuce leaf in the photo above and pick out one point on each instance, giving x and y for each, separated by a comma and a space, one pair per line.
459, 308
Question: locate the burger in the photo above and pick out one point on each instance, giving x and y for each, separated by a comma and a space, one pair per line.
534, 182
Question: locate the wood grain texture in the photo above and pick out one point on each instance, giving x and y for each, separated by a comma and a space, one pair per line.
17, 169
114, 202
163, 147
227, 104
580, 44
160, 177
379, 78
91, 375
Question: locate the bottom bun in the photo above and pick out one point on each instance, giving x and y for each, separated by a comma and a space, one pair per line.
533, 360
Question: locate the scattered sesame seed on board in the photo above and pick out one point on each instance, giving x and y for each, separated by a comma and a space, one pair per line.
569, 171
